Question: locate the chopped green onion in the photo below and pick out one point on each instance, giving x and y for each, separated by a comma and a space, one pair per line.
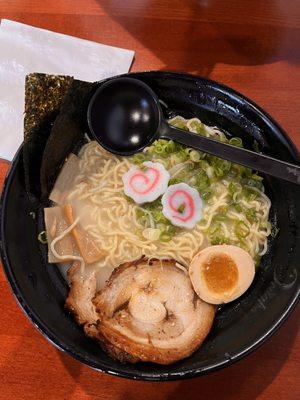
237, 207
42, 237
171, 229
247, 172
181, 208
179, 122
174, 181
257, 177
236, 141
202, 181
203, 164
219, 217
184, 154
165, 237
215, 228
216, 234
139, 158
251, 215
219, 240
197, 126
159, 148
195, 156
240, 170
223, 138
150, 150
155, 205
170, 147
252, 183
179, 157
241, 229
220, 167
249, 193
186, 151
159, 217
167, 232
234, 187
206, 194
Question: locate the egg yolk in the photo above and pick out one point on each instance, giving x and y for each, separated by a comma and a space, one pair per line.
220, 273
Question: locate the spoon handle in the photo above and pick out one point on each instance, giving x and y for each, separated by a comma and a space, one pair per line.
256, 161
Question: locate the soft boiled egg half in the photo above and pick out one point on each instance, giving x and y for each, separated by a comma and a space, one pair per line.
221, 273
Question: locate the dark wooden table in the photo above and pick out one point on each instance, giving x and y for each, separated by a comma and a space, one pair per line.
250, 45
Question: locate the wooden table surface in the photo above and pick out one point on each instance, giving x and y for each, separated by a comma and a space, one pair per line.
250, 45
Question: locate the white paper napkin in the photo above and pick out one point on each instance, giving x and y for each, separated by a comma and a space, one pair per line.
25, 49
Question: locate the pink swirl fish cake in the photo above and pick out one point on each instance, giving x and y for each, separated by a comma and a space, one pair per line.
146, 184
182, 205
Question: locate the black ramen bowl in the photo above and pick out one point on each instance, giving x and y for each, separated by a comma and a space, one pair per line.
239, 327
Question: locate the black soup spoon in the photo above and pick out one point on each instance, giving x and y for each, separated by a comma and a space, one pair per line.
125, 116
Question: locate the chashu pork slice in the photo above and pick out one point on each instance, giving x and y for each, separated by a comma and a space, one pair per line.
83, 287
148, 311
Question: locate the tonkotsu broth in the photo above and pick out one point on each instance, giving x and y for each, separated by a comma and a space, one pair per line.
115, 222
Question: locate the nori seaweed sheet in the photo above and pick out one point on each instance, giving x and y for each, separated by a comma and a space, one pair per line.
68, 129
54, 123
44, 95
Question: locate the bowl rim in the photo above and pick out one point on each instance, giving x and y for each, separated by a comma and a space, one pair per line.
51, 337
